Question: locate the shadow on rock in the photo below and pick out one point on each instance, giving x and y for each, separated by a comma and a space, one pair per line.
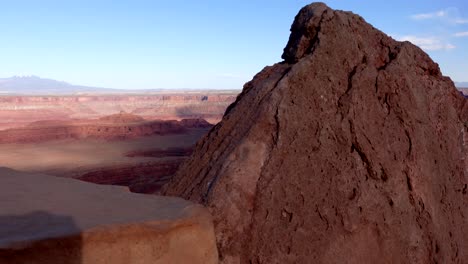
39, 237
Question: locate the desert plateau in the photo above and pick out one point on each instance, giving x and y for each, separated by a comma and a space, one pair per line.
21, 110
351, 148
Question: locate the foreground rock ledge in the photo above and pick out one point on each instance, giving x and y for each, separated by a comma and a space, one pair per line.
45, 219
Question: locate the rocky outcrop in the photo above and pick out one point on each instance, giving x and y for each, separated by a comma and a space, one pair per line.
116, 127
348, 151
51, 220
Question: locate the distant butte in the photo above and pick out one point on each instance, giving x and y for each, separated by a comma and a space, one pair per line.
351, 150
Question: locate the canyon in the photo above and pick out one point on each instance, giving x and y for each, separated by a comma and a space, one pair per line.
136, 140
143, 158
352, 149
22, 110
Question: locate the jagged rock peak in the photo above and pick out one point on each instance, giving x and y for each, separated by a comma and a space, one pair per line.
304, 31
317, 21
349, 151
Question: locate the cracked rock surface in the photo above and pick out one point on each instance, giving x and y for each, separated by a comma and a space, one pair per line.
351, 150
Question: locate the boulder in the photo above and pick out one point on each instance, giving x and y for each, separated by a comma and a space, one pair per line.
348, 151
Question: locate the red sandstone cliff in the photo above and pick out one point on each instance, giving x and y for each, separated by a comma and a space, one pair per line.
349, 151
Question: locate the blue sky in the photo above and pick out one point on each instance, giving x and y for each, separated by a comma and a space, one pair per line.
196, 44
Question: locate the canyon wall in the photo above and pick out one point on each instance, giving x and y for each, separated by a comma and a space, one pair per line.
21, 110
103, 128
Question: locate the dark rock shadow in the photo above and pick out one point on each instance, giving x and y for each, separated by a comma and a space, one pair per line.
39, 238
187, 112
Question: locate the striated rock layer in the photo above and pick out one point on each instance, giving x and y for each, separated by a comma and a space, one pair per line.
18, 111
115, 127
51, 220
349, 151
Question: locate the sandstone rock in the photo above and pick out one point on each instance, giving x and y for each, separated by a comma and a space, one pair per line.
349, 151
51, 220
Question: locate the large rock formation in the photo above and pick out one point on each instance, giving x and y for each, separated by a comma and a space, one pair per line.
51, 220
348, 151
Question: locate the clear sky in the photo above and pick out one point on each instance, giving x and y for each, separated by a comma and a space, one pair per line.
196, 44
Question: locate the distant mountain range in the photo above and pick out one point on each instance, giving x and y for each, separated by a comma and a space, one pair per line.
33, 85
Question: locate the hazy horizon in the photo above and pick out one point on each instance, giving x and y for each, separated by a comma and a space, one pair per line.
38, 84
196, 45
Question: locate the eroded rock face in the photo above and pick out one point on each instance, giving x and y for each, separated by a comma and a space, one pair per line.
52, 220
349, 151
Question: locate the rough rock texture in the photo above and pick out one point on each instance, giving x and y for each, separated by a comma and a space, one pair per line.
51, 220
349, 151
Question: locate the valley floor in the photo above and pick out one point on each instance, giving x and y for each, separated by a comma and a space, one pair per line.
130, 162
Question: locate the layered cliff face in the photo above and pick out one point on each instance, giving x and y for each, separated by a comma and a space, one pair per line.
20, 110
349, 151
120, 126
